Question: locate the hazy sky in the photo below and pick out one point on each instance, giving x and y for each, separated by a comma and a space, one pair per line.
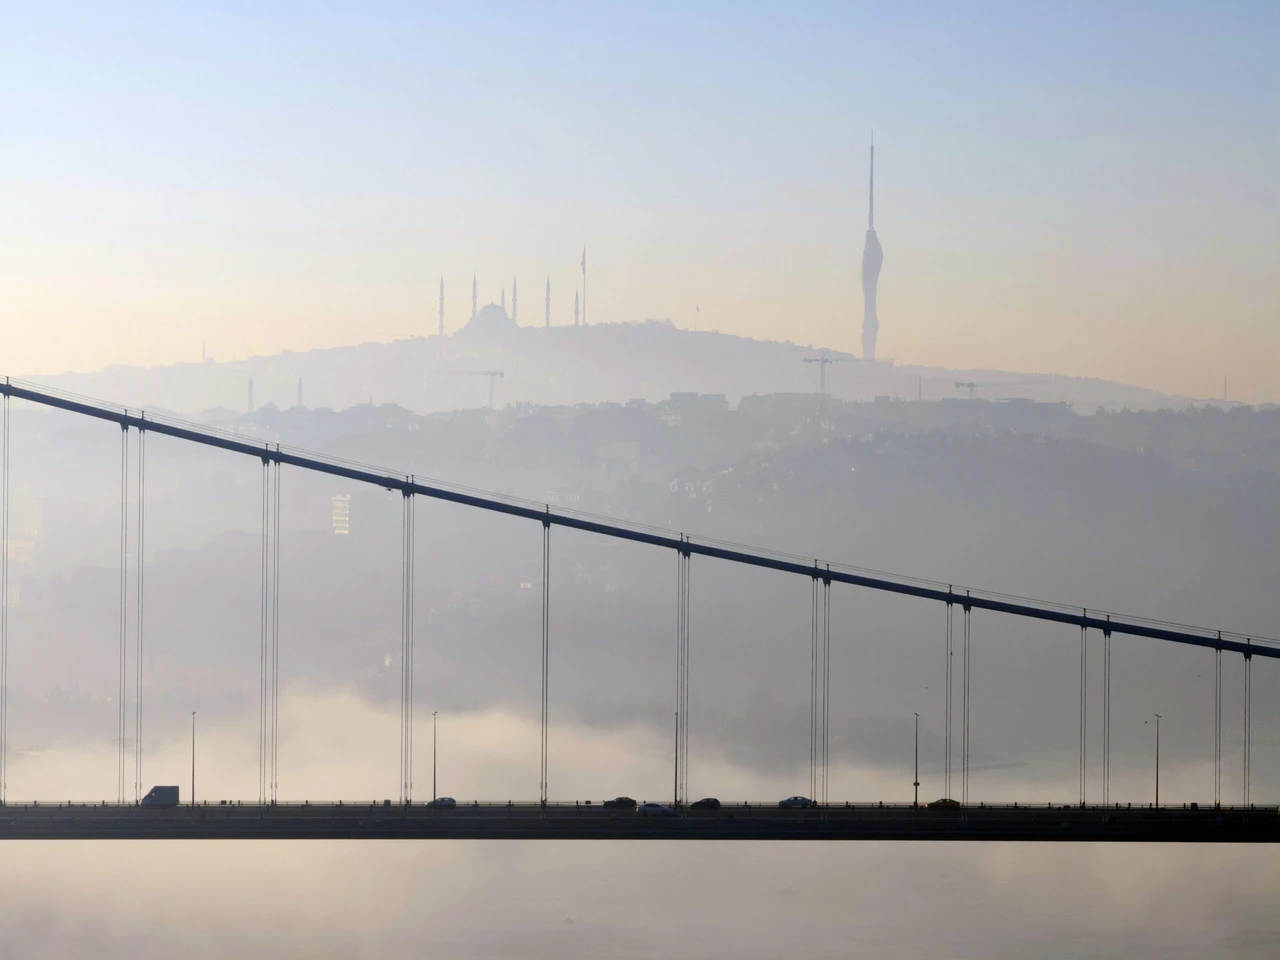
1061, 188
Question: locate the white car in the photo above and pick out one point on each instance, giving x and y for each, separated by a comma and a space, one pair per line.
655, 810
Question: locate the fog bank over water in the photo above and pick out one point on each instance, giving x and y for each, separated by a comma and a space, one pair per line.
335, 745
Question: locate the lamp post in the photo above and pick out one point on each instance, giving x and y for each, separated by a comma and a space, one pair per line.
675, 781
916, 784
434, 795
1157, 761
193, 758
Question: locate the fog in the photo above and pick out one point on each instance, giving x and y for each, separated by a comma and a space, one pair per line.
349, 899
1164, 511
1169, 515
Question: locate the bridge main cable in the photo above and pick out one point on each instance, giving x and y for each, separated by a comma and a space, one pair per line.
389, 481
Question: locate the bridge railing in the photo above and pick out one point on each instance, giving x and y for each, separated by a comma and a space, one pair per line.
581, 806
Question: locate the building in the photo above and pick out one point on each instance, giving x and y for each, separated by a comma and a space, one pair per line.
342, 514
872, 258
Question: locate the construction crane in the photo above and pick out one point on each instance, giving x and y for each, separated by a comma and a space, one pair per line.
973, 386
822, 360
493, 375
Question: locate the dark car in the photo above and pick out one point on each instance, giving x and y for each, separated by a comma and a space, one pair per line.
706, 803
161, 797
626, 802
442, 803
797, 802
655, 810
946, 803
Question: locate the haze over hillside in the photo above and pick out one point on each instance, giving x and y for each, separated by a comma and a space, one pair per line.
565, 365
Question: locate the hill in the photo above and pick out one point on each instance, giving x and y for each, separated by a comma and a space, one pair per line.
648, 360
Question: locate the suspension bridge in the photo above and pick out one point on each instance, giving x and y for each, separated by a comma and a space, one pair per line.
270, 815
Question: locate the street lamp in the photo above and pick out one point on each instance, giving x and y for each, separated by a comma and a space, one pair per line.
193, 758
916, 801
434, 795
1157, 761
675, 781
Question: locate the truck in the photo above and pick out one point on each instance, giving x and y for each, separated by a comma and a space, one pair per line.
161, 797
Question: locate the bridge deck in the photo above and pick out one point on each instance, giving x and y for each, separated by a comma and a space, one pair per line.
562, 822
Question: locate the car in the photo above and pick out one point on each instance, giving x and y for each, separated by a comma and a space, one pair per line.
706, 803
655, 810
797, 802
946, 803
626, 802
442, 803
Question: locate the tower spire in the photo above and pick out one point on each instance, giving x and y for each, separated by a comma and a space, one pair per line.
872, 260
514, 318
441, 308
871, 197
473, 296
548, 300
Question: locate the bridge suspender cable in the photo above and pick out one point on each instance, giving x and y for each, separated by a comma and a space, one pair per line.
686, 714
1084, 713
122, 732
819, 685
262, 631
546, 649
139, 612
947, 754
964, 716
681, 786
1217, 728
1248, 723
826, 687
269, 635
404, 653
275, 631
1106, 716
413, 580
4, 612
813, 687
406, 648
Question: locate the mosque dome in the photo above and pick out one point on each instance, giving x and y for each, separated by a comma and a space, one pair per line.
490, 319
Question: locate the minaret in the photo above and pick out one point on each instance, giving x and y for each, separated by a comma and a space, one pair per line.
872, 258
504, 299
473, 296
442, 304
548, 323
513, 300
299, 391
251, 394
575, 308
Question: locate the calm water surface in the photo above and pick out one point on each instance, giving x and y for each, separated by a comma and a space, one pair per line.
636, 900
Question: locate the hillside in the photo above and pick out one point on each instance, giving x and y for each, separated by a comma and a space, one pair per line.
564, 365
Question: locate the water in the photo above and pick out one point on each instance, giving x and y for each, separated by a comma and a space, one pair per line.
636, 900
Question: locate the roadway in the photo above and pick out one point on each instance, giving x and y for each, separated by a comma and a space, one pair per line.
530, 821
